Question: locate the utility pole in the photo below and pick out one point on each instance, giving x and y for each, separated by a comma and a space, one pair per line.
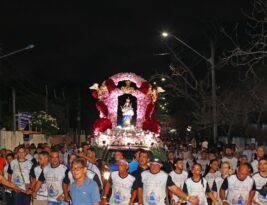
1, 95
46, 98
14, 108
68, 116
13, 89
213, 87
78, 117
213, 80
1, 90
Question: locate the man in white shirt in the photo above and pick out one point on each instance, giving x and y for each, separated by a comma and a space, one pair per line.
19, 174
260, 153
229, 157
203, 160
240, 186
249, 152
122, 184
40, 195
261, 182
178, 177
153, 184
54, 179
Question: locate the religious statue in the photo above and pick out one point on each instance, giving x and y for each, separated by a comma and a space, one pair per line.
101, 90
154, 92
127, 89
127, 113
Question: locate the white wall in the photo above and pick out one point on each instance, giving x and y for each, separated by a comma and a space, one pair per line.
10, 139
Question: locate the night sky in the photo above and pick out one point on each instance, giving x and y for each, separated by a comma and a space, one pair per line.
82, 42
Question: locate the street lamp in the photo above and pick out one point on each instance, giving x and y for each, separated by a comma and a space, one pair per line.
13, 89
164, 34
18, 51
211, 62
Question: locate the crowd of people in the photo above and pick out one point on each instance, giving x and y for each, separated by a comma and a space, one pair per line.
61, 175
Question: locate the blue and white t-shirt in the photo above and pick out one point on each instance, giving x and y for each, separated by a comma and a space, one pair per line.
154, 187
217, 186
199, 188
54, 178
238, 191
260, 181
42, 193
20, 172
178, 180
121, 188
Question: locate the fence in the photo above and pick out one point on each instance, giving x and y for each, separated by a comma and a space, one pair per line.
10, 139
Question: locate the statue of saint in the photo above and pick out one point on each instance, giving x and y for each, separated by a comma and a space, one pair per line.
127, 89
127, 113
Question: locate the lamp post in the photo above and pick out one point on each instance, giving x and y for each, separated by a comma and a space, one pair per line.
213, 79
13, 89
17, 51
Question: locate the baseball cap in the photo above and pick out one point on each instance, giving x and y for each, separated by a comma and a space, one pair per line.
123, 161
155, 160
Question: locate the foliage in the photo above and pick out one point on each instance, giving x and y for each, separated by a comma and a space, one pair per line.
250, 54
43, 122
240, 98
99, 150
159, 152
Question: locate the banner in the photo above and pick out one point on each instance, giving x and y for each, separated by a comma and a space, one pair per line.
24, 119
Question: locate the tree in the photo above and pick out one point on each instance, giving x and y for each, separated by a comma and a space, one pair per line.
248, 54
44, 123
249, 51
182, 83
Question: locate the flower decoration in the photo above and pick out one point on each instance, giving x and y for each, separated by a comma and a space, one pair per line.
149, 110
102, 108
144, 87
152, 125
110, 84
108, 94
128, 76
94, 94
101, 125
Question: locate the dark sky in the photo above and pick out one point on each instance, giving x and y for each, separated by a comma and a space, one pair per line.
81, 41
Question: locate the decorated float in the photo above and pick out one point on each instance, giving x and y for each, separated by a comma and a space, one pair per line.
126, 103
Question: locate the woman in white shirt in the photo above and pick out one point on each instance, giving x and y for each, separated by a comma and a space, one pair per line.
225, 172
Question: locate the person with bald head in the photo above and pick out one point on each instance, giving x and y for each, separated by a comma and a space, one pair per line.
154, 183
240, 187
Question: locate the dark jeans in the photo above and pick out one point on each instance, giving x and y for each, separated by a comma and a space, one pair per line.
21, 199
7, 198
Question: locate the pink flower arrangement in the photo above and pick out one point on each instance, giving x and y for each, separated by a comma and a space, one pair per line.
128, 76
108, 106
